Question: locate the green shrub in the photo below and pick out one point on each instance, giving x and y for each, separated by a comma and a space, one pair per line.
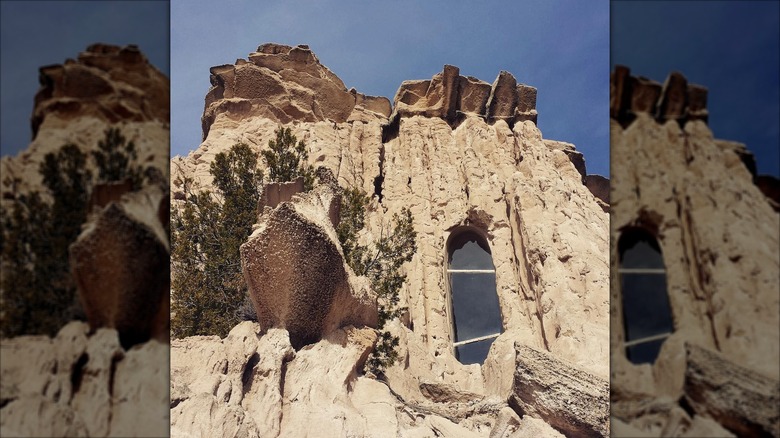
206, 234
287, 159
39, 293
381, 262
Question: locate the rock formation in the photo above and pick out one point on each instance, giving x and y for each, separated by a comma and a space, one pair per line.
295, 245
104, 86
98, 379
717, 373
121, 263
78, 384
461, 154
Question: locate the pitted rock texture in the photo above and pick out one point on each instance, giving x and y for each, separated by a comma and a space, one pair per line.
546, 231
81, 384
121, 264
572, 401
296, 273
720, 243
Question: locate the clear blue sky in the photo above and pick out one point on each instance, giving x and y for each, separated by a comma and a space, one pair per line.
38, 33
560, 47
730, 47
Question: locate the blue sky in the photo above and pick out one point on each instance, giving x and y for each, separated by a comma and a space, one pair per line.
559, 47
730, 47
37, 33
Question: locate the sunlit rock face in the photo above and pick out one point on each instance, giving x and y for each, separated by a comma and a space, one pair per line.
463, 155
718, 240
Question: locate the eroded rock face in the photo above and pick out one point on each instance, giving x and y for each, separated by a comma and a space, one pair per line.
108, 82
743, 401
675, 100
296, 273
121, 264
78, 384
449, 96
572, 401
720, 245
546, 231
285, 84
89, 381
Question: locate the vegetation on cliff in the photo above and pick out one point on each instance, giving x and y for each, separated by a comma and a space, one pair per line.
39, 293
381, 262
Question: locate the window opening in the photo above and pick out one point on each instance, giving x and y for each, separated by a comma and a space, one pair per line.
476, 315
647, 318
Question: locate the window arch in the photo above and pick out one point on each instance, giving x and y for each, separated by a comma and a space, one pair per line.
647, 318
476, 315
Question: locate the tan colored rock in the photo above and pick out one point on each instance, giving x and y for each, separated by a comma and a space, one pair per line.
78, 384
285, 84
674, 97
533, 427
743, 401
140, 389
503, 97
473, 95
121, 264
239, 379
546, 231
572, 401
107, 82
39, 416
437, 97
599, 186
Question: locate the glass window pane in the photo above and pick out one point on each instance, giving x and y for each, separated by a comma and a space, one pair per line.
646, 309
476, 352
641, 253
475, 305
645, 352
467, 254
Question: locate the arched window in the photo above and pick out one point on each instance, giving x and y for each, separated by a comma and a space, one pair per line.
647, 318
476, 316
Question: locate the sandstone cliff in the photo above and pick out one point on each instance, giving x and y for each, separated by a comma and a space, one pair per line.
720, 241
76, 101
460, 153
98, 379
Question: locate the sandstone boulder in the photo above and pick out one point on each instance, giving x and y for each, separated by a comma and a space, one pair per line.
572, 401
121, 264
743, 401
296, 274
